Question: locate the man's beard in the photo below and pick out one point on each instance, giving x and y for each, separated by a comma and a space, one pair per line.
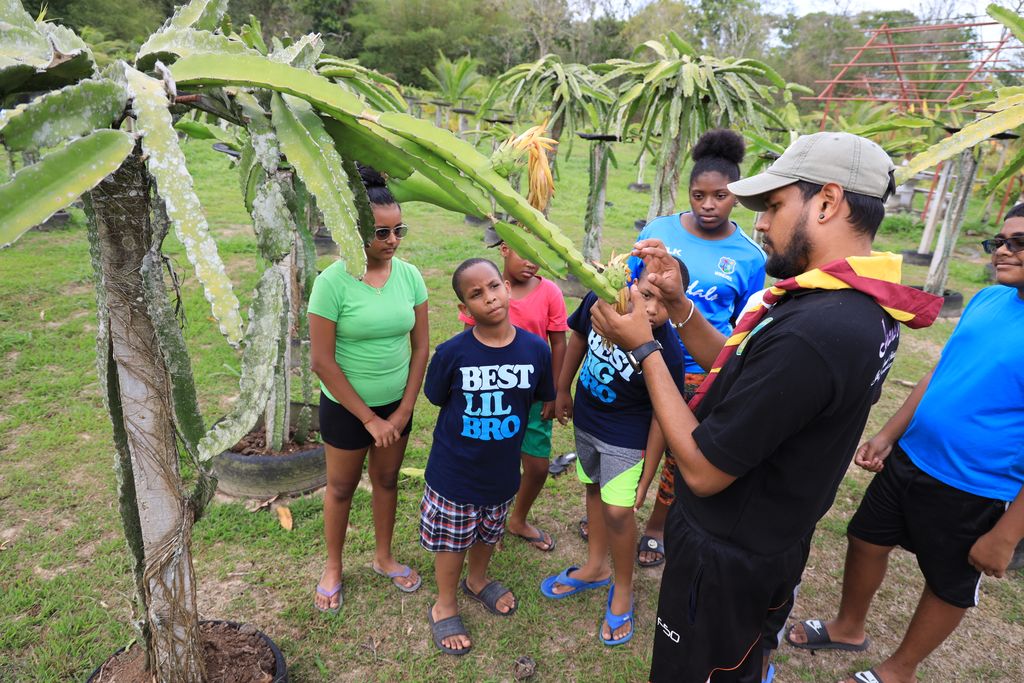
796, 256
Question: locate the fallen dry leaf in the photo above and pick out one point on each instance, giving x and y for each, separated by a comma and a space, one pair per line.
284, 515
257, 505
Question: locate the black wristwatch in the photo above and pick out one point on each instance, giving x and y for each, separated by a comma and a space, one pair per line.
637, 355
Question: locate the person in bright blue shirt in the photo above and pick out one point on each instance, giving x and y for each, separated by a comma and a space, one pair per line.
950, 486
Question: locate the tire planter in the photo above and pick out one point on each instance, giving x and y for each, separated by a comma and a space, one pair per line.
265, 476
280, 665
913, 258
952, 303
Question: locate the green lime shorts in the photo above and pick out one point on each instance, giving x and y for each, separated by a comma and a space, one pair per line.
537, 441
615, 469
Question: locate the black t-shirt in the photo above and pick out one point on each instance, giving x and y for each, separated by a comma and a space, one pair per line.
785, 416
611, 400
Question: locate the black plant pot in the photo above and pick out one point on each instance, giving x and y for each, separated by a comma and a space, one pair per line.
913, 258
265, 476
280, 665
952, 303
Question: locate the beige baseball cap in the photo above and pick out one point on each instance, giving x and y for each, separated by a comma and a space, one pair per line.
855, 163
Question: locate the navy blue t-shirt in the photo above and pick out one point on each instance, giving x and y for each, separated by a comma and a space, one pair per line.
485, 394
611, 401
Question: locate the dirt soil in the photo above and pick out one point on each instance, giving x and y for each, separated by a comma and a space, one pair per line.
255, 443
234, 654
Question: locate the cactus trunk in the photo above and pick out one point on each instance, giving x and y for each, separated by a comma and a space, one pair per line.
121, 210
593, 223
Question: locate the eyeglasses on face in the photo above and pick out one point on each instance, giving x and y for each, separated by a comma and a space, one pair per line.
383, 234
1014, 244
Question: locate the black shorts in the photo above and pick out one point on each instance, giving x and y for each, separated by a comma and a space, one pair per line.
342, 429
716, 599
939, 523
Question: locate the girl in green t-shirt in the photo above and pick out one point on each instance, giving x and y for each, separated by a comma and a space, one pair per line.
369, 339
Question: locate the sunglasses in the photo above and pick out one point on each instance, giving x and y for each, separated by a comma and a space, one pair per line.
400, 230
1014, 244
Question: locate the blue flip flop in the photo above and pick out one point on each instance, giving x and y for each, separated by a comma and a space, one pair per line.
616, 621
771, 674
547, 586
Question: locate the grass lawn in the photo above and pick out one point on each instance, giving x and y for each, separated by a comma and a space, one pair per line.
64, 574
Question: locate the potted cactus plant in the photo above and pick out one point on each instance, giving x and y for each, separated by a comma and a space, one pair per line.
110, 137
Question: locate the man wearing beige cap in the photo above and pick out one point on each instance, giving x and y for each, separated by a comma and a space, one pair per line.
763, 445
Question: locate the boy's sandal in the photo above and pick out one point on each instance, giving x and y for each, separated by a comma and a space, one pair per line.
547, 586
584, 528
489, 596
446, 628
770, 676
819, 639
330, 594
649, 544
869, 676
560, 464
405, 571
541, 537
616, 621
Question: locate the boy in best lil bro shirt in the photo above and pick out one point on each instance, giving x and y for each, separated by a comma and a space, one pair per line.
484, 379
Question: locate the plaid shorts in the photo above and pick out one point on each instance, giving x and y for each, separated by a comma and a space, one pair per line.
667, 483
450, 527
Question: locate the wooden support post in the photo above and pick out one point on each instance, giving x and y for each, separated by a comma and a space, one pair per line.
938, 201
939, 270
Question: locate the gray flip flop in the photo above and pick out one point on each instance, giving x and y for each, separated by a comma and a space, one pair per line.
330, 594
489, 597
819, 639
446, 628
400, 574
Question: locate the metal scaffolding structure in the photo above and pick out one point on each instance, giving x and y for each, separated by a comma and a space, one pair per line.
919, 66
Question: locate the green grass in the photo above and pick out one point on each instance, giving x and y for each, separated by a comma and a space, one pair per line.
64, 574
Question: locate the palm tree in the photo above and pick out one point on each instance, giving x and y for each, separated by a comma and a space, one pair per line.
452, 81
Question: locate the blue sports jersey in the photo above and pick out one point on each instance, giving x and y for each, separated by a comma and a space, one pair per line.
723, 273
485, 394
968, 430
611, 399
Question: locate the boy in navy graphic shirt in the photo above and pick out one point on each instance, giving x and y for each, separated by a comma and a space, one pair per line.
485, 380
619, 445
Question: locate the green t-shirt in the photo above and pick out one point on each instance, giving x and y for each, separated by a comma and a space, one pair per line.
373, 325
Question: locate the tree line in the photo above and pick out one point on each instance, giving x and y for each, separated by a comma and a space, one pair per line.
400, 37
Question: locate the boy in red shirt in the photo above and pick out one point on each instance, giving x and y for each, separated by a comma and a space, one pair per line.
537, 306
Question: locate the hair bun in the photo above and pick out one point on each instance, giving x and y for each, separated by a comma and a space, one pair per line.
371, 177
720, 143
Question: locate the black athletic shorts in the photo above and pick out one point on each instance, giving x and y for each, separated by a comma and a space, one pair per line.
939, 523
716, 599
342, 429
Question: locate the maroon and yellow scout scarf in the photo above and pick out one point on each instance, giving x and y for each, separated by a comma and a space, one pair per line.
877, 275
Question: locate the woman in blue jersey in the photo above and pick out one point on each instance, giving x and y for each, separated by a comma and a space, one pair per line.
726, 268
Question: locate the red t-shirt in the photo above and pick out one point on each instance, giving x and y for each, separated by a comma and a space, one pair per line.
541, 311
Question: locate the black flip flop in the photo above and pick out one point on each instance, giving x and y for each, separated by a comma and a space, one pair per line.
584, 529
869, 676
819, 639
561, 464
651, 545
490, 595
446, 628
